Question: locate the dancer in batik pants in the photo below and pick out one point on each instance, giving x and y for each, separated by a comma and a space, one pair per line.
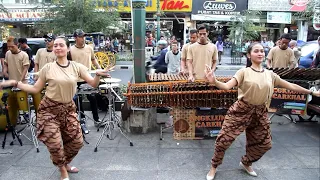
249, 113
57, 124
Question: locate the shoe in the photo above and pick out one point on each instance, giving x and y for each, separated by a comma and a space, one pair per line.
210, 177
250, 173
99, 123
84, 128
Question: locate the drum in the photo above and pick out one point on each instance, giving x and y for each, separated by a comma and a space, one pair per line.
36, 100
20, 97
13, 112
104, 88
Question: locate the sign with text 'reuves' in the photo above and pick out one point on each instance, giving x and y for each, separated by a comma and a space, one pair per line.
219, 7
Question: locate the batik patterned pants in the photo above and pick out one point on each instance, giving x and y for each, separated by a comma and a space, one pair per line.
240, 117
59, 129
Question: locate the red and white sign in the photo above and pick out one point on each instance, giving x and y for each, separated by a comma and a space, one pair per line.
316, 18
298, 5
21, 16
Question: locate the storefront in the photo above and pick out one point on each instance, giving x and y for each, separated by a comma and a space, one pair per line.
173, 16
278, 15
19, 21
217, 14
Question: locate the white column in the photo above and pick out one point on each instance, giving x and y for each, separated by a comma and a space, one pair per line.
302, 30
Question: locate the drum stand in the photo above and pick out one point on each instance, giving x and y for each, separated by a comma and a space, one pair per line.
79, 117
31, 124
113, 121
9, 126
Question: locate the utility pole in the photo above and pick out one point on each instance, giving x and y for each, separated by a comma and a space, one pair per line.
158, 19
139, 31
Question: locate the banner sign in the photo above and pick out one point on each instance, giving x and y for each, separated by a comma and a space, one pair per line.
24, 15
197, 123
278, 5
279, 17
219, 7
151, 5
289, 101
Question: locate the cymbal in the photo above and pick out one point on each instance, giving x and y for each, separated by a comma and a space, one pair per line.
110, 80
95, 71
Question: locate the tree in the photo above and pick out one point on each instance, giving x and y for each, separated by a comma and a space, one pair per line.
244, 27
63, 17
307, 15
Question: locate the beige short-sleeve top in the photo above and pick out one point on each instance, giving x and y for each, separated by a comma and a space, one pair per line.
16, 63
82, 55
62, 80
43, 57
256, 87
202, 55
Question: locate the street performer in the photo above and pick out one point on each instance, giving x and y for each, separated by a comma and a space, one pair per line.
249, 113
201, 53
45, 55
84, 54
16, 65
57, 124
184, 52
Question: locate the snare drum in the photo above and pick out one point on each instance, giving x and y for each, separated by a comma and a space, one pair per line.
13, 112
104, 88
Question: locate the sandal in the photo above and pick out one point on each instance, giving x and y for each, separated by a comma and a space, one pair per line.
71, 169
65, 179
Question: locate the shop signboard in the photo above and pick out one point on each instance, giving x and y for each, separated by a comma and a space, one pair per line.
22, 15
316, 18
219, 7
279, 17
197, 123
151, 5
278, 5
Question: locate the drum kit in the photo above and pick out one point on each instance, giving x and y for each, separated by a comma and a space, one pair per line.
112, 121
19, 101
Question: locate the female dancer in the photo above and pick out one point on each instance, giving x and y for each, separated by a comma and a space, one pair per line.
56, 116
249, 113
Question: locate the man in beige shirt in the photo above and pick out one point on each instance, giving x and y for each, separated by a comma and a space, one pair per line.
193, 38
200, 54
16, 65
84, 54
45, 55
281, 56
16, 62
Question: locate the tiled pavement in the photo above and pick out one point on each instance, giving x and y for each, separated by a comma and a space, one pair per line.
294, 156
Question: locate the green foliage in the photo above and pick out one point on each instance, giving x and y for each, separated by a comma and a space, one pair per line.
246, 26
67, 15
3, 9
308, 13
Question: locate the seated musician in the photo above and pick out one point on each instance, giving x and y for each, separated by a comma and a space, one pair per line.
16, 65
84, 54
160, 65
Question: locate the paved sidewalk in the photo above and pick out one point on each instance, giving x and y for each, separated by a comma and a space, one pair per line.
294, 156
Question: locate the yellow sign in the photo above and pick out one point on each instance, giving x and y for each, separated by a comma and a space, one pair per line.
151, 5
